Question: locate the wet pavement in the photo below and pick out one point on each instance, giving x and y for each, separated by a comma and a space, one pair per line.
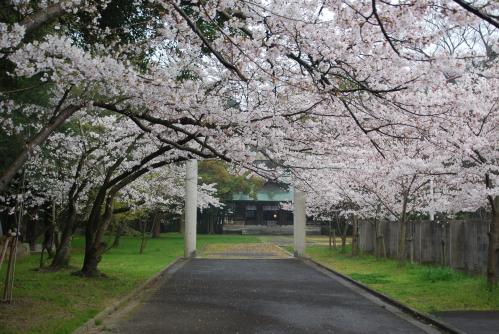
472, 322
261, 296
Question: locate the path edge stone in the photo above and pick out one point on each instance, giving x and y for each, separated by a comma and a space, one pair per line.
108, 311
428, 319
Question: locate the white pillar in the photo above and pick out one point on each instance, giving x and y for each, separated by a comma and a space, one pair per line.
191, 198
299, 220
432, 209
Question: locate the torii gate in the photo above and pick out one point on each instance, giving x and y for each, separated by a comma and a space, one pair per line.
191, 183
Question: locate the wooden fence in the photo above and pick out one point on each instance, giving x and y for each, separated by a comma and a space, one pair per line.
460, 244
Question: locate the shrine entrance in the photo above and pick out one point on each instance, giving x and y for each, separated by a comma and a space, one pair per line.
190, 233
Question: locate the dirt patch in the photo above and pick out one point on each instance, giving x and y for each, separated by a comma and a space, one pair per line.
243, 251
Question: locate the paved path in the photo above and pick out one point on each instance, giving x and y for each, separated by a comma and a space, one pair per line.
476, 322
259, 296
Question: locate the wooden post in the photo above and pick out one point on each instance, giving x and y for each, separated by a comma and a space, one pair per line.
9, 278
4, 250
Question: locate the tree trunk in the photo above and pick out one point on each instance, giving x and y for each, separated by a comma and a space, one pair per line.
31, 233
63, 246
48, 237
156, 229
355, 236
383, 245
402, 254
117, 236
411, 242
343, 229
380, 241
94, 233
37, 19
143, 242
93, 245
63, 252
334, 238
402, 250
42, 261
97, 224
93, 255
493, 248
211, 219
93, 248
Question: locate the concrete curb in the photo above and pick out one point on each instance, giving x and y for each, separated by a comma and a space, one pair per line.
91, 323
439, 324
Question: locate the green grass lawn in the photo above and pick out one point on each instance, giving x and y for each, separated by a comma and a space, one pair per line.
59, 302
425, 288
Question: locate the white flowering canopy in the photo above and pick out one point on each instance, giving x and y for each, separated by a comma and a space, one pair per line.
361, 101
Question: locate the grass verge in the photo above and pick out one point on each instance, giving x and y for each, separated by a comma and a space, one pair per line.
59, 302
422, 287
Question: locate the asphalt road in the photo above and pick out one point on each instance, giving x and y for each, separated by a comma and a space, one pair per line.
473, 322
259, 296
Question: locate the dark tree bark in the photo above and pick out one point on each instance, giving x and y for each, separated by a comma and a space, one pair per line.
94, 232
41, 17
402, 247
211, 219
68, 219
355, 236
97, 224
31, 225
476, 11
156, 228
493, 248
94, 246
63, 252
117, 236
48, 238
343, 229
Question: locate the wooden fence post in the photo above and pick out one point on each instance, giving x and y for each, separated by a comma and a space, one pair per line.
9, 278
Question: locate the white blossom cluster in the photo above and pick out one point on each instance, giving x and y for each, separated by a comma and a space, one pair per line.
362, 102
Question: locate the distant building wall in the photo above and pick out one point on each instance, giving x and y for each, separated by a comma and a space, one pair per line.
460, 244
259, 213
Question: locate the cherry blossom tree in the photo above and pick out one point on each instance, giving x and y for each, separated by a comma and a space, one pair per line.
313, 85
